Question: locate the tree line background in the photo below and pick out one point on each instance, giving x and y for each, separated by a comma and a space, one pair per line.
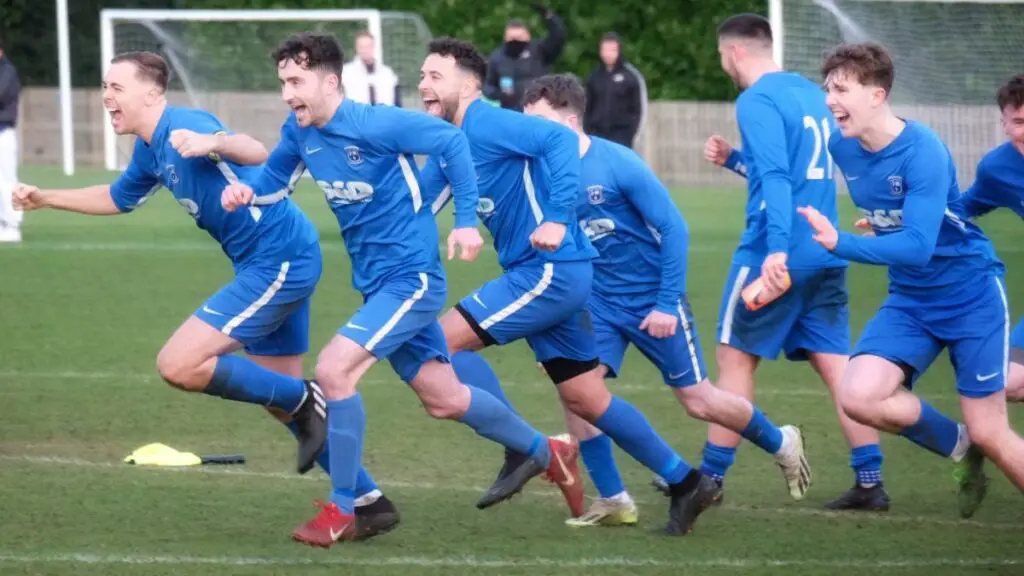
671, 41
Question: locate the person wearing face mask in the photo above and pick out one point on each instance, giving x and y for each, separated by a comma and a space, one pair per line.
520, 59
368, 81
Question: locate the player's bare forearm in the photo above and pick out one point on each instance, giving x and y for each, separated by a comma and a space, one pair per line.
92, 200
241, 149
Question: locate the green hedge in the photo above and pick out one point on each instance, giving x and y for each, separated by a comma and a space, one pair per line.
671, 41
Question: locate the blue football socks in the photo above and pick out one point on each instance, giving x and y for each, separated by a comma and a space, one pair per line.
241, 379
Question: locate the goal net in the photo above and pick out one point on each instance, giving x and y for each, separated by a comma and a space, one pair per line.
951, 57
220, 59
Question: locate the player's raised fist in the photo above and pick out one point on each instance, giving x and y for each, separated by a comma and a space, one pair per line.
468, 240
26, 197
236, 195
192, 145
548, 236
717, 150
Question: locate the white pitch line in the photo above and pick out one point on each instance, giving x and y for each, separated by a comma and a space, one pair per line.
475, 562
51, 246
614, 385
430, 486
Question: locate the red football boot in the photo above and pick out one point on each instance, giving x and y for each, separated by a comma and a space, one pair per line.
330, 525
564, 471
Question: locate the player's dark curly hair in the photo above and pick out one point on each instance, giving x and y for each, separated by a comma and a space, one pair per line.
466, 56
312, 50
1011, 94
868, 63
561, 91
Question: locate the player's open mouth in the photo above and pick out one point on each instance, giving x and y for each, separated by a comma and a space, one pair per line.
432, 106
841, 117
115, 114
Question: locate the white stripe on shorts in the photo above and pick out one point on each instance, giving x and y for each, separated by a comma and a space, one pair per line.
1006, 330
688, 333
522, 301
260, 302
734, 300
397, 316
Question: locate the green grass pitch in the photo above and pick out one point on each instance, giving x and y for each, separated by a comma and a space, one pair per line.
86, 303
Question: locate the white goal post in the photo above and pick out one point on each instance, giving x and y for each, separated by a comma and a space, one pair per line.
212, 51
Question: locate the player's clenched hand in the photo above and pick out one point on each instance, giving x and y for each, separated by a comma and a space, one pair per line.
236, 195
660, 324
865, 226
717, 150
824, 232
469, 240
548, 236
27, 198
774, 271
192, 145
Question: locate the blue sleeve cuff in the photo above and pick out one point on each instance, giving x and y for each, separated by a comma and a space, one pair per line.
845, 245
557, 214
466, 220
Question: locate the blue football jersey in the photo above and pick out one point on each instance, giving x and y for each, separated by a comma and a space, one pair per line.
640, 235
908, 192
999, 182
363, 161
784, 129
272, 232
529, 173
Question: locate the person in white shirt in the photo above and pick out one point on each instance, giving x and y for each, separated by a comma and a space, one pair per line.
368, 81
10, 89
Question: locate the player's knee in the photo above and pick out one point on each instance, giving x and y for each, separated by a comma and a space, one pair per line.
334, 378
177, 371
441, 409
587, 398
697, 407
989, 434
857, 406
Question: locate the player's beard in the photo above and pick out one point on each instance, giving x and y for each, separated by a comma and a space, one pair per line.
449, 106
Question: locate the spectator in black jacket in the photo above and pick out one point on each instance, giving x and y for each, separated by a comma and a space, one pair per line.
518, 61
616, 96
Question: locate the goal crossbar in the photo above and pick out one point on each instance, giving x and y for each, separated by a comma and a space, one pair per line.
109, 16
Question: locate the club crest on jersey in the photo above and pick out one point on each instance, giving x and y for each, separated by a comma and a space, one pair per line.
595, 194
896, 186
172, 175
352, 154
485, 208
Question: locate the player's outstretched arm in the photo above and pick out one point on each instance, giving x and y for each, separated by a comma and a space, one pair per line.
279, 176
650, 197
762, 127
241, 149
924, 207
556, 145
237, 148
94, 200
982, 197
399, 131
